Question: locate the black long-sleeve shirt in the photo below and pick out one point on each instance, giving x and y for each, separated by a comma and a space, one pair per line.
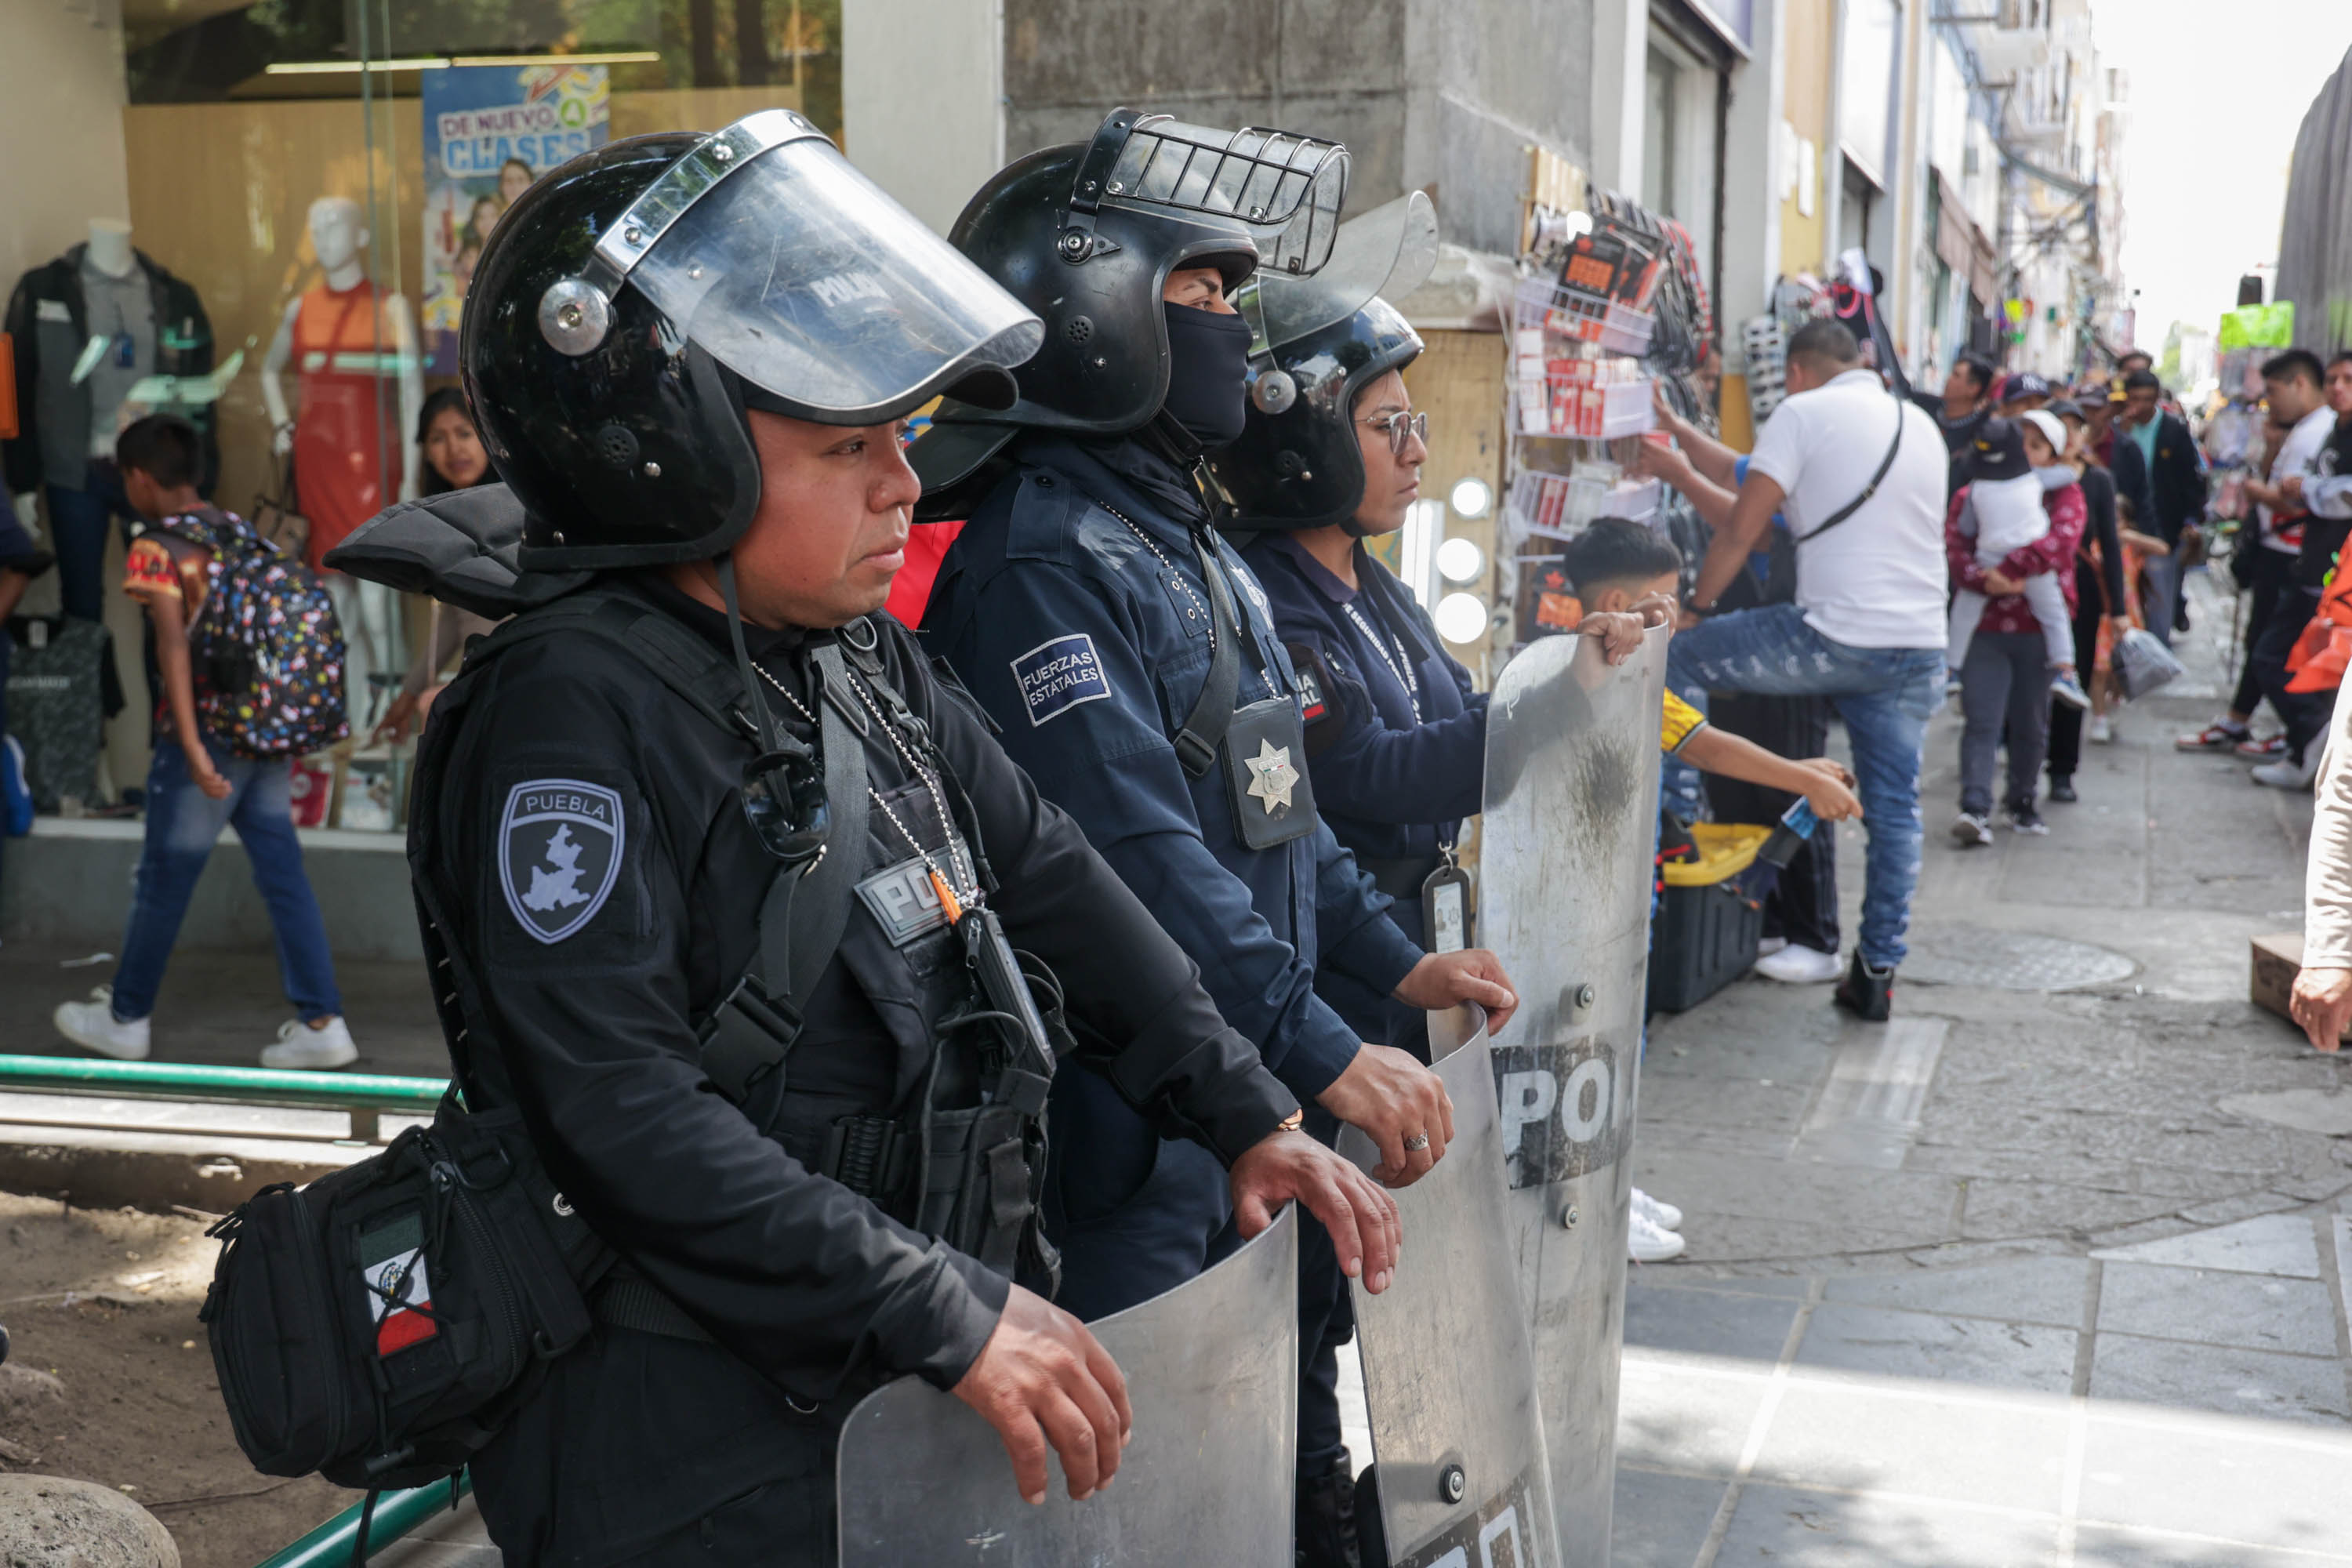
807, 1282
2099, 496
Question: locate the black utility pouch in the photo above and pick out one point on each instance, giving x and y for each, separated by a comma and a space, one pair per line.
377, 1325
1266, 773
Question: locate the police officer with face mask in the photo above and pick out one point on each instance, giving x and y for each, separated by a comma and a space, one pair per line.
738, 902
1128, 657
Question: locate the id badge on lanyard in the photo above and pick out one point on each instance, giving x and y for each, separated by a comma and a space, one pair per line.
1447, 907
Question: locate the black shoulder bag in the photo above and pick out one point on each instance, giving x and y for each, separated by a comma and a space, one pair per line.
378, 1325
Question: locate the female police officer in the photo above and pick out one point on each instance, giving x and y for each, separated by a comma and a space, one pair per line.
697, 812
1127, 655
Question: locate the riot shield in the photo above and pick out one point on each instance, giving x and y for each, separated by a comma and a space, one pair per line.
1211, 1372
1449, 1382
1566, 848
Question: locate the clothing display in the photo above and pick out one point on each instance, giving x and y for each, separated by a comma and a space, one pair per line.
52, 317
349, 446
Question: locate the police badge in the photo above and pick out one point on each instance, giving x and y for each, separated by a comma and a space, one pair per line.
559, 854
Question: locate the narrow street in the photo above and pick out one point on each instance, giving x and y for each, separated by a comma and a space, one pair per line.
2051, 1269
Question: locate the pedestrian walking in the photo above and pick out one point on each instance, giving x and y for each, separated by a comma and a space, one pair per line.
2159, 470
1861, 476
202, 780
2006, 681
2101, 606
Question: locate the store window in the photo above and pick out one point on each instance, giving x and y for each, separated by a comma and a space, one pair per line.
283, 251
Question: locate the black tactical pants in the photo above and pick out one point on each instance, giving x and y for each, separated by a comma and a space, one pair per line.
646, 1451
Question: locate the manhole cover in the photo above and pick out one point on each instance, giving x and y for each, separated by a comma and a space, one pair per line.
2010, 960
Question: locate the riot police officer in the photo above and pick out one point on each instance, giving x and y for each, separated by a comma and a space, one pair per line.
1127, 656
738, 900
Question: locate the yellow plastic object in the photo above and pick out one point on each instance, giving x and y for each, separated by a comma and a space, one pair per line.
1725, 849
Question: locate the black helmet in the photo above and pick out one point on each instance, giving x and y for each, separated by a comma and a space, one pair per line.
1086, 236
637, 300
1319, 341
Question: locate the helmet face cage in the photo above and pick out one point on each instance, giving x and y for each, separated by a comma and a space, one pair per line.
1086, 236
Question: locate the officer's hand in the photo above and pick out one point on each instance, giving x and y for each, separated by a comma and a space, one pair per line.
1443, 980
1287, 1166
2322, 1002
1396, 1101
1043, 1380
1619, 635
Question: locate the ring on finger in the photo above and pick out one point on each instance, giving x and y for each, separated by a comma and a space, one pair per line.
1417, 1143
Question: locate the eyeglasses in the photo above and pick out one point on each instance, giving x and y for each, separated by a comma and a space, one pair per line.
1400, 428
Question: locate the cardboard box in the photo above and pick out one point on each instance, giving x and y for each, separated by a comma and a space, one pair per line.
2277, 960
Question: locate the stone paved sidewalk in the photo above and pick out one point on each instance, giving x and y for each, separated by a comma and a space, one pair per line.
2051, 1271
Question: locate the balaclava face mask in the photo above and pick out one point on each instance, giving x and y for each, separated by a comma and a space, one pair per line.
1208, 373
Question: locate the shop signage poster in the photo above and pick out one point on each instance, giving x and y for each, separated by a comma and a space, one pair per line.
490, 131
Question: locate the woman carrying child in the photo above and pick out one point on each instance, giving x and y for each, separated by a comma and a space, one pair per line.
2012, 643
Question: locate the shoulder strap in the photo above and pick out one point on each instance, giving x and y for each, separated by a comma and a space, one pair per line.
1868, 490
1203, 730
687, 665
805, 912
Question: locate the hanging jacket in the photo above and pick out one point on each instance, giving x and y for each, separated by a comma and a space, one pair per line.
48, 322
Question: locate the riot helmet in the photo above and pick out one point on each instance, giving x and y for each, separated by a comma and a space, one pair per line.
638, 299
1087, 234
1319, 342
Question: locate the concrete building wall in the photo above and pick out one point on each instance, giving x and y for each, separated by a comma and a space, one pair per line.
933, 160
1440, 94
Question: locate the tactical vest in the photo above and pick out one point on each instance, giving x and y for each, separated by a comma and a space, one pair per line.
962, 1156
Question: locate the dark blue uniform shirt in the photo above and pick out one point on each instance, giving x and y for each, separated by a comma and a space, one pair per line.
1392, 782
1088, 640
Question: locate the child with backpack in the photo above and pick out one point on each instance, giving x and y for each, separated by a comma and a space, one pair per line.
249, 663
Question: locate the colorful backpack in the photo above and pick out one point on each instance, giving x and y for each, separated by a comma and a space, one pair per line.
266, 647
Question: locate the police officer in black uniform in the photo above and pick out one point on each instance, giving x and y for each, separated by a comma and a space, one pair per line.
1128, 655
728, 882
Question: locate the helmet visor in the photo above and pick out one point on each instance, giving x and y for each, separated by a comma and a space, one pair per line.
1285, 189
798, 273
1389, 250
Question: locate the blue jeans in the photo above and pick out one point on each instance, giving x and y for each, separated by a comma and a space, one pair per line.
182, 825
1885, 695
78, 519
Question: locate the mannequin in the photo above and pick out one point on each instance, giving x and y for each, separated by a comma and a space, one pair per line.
90, 328
349, 443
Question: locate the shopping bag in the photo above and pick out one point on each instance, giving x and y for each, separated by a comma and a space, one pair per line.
2143, 664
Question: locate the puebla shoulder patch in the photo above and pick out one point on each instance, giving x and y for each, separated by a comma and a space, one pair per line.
559, 854
1055, 676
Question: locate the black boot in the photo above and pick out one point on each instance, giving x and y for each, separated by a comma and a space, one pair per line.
1327, 1517
1867, 993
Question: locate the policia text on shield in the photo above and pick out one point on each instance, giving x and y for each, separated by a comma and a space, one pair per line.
726, 880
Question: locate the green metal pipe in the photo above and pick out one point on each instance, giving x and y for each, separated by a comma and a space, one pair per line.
236, 1086
396, 1513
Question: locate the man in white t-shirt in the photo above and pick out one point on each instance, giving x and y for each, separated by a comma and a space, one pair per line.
1859, 476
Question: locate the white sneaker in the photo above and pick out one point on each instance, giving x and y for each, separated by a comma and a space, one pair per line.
1664, 1215
1797, 964
2102, 730
1649, 1242
93, 1027
1767, 946
1972, 831
2288, 774
300, 1046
